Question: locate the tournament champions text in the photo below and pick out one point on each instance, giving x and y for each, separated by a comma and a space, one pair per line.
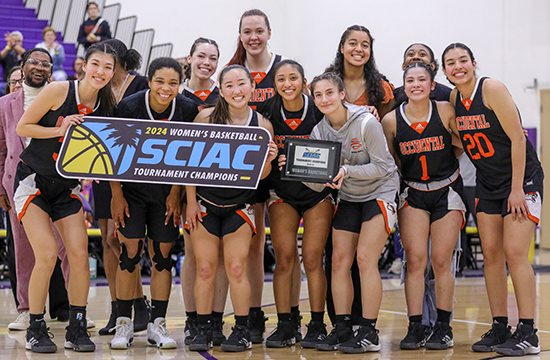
164, 152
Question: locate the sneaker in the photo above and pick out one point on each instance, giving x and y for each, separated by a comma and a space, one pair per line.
159, 336
217, 332
282, 336
124, 333
316, 332
39, 339
365, 339
22, 321
190, 330
297, 322
202, 341
415, 338
339, 334
142, 314
239, 340
109, 329
524, 341
89, 323
441, 337
256, 324
497, 335
396, 266
78, 338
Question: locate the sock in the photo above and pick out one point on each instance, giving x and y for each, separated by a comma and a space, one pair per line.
255, 309
501, 319
113, 307
139, 303
318, 316
345, 319
443, 316
368, 322
124, 307
204, 319
217, 316
158, 309
295, 309
36, 319
415, 318
191, 315
241, 320
284, 316
527, 322
77, 315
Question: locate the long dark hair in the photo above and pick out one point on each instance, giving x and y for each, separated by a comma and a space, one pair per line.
129, 59
373, 78
197, 42
240, 54
272, 106
454, 46
105, 94
220, 115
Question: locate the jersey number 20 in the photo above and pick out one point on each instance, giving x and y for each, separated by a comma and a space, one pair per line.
475, 147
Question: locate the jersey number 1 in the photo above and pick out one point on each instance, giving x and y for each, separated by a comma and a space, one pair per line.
424, 167
475, 142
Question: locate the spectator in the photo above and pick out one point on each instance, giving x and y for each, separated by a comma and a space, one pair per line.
94, 29
15, 80
10, 56
57, 52
77, 68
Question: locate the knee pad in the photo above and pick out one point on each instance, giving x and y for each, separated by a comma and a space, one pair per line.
161, 262
127, 263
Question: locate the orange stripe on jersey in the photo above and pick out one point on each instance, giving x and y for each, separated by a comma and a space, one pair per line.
533, 218
475, 206
247, 219
27, 202
76, 197
258, 76
202, 94
419, 126
384, 214
84, 110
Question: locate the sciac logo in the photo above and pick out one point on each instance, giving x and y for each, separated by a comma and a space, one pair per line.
355, 144
312, 154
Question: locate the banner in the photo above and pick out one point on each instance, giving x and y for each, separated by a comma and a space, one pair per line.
166, 152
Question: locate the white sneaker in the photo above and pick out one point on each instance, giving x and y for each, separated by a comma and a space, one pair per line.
396, 266
22, 321
159, 336
89, 323
124, 336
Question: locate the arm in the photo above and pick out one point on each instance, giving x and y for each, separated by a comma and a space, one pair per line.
389, 125
104, 33
498, 99
82, 35
193, 212
448, 117
384, 109
4, 202
272, 148
59, 57
173, 205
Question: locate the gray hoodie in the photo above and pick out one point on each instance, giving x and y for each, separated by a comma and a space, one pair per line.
371, 172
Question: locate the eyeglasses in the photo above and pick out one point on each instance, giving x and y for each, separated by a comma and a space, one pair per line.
15, 82
44, 64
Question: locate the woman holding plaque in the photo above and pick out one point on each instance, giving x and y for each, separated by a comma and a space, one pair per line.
226, 214
294, 115
368, 183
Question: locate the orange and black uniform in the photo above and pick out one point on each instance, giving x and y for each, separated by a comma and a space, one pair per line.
202, 97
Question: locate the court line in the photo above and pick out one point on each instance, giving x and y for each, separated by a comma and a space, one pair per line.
207, 355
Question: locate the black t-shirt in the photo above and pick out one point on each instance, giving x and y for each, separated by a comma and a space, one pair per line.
103, 31
139, 83
11, 60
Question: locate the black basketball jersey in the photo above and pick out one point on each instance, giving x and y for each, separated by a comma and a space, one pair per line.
41, 154
201, 97
488, 146
425, 148
264, 83
229, 196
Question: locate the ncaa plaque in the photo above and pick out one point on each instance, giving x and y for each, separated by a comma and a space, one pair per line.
311, 160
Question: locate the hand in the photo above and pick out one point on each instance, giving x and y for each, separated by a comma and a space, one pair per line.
272, 151
373, 111
68, 121
337, 181
90, 38
119, 209
517, 205
173, 207
282, 161
5, 202
193, 214
9, 39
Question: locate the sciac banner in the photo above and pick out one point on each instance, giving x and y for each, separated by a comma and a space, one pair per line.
166, 152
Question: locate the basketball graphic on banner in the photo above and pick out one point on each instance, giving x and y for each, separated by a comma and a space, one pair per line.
93, 156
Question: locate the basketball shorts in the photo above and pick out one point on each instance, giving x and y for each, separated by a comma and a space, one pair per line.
102, 200
262, 192
301, 206
220, 221
350, 216
500, 206
147, 206
56, 199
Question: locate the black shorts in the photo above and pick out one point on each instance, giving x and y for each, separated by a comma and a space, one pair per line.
102, 200
437, 203
220, 221
56, 199
301, 206
262, 192
350, 216
147, 205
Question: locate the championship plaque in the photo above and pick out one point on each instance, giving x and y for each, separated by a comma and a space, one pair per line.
311, 160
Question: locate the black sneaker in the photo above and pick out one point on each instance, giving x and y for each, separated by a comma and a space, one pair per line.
142, 314
316, 332
297, 322
441, 337
282, 336
217, 332
497, 335
110, 328
339, 334
256, 324
77, 338
365, 339
524, 341
39, 339
190, 330
202, 341
239, 340
415, 338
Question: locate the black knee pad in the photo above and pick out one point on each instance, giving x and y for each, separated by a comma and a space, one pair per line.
127, 263
161, 262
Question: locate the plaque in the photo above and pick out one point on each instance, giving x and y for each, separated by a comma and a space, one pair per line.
311, 160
